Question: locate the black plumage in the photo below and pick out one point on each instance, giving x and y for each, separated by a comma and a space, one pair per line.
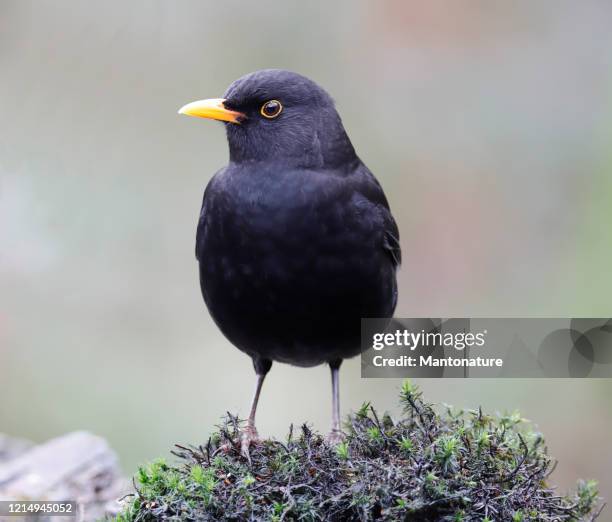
295, 240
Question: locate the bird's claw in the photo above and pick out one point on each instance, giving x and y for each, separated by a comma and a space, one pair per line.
248, 436
335, 437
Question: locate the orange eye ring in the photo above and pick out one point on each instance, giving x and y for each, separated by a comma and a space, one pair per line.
271, 109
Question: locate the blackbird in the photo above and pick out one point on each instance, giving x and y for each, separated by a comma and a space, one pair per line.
295, 240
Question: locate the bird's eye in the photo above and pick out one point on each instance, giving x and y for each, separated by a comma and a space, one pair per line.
271, 109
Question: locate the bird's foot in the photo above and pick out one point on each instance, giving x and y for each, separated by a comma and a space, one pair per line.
335, 437
248, 436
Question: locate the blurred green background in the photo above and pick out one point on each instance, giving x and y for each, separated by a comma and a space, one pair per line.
489, 124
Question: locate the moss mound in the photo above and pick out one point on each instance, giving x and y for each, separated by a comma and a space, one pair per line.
426, 466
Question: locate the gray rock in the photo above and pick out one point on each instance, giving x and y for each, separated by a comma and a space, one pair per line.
77, 467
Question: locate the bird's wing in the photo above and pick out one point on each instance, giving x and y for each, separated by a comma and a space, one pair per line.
371, 189
391, 243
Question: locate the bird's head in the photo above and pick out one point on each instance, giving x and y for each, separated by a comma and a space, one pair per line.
280, 116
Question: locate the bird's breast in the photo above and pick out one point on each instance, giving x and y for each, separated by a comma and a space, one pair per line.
288, 228
296, 257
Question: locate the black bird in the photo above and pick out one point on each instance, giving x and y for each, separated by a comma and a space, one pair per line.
295, 239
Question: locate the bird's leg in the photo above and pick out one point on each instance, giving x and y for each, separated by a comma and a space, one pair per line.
335, 435
249, 433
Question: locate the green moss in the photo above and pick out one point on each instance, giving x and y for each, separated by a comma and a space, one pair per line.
342, 450
425, 466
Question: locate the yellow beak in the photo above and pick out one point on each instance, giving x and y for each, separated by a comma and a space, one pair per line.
213, 109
